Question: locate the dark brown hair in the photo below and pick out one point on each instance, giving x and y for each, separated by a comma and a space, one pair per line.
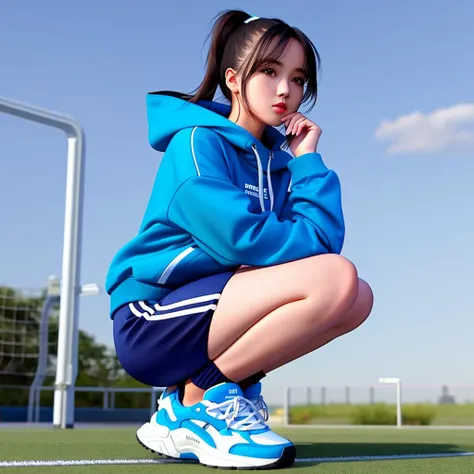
248, 47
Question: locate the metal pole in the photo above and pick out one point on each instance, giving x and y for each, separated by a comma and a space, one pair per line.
399, 404
286, 406
105, 399
323, 395
371, 395
67, 341
152, 401
38, 380
398, 383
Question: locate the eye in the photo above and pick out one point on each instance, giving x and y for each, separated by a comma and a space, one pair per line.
300, 80
269, 71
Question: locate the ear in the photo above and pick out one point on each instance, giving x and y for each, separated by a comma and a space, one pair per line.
231, 80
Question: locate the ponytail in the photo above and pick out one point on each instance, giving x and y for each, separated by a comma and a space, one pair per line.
225, 24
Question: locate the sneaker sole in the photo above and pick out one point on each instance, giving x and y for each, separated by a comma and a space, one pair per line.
158, 440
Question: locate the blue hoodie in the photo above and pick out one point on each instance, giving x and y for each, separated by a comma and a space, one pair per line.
222, 199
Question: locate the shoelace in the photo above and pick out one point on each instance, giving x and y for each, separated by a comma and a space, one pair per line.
249, 417
261, 406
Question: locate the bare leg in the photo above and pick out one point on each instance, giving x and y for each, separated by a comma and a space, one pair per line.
269, 316
275, 340
353, 319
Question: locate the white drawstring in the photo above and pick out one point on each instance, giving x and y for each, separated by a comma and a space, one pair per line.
269, 177
260, 179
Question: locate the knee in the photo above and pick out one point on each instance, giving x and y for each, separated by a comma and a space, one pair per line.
340, 281
366, 297
343, 279
360, 310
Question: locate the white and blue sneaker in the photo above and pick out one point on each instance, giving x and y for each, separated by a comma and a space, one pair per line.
253, 393
223, 430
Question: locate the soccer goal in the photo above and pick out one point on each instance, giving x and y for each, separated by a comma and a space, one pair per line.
70, 288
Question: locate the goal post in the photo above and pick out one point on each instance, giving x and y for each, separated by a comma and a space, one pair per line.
51, 300
63, 414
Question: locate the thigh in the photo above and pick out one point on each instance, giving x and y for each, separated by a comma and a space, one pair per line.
253, 293
162, 343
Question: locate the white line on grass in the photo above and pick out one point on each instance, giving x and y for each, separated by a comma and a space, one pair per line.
95, 462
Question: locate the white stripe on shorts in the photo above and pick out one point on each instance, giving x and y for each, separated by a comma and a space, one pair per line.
177, 314
146, 307
195, 300
150, 314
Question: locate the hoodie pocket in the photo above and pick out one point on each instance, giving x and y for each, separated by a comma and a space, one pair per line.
172, 266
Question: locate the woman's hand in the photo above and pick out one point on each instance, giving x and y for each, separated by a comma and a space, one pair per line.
306, 133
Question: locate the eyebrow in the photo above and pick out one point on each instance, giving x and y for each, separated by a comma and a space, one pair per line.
279, 63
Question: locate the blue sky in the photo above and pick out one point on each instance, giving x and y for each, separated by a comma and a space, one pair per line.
396, 108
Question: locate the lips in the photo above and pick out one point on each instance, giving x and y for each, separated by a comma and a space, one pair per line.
280, 108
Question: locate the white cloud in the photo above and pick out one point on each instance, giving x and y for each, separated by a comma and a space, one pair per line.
444, 129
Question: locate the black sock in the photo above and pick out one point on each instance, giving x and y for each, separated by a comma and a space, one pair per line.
253, 379
208, 376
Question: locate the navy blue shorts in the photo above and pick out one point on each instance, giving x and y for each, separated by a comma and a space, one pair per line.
163, 343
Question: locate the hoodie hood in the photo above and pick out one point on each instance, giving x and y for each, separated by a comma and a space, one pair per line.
168, 113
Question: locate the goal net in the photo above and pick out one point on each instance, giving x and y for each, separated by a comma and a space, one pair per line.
28, 344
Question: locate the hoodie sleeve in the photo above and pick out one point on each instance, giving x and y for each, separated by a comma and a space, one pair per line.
217, 213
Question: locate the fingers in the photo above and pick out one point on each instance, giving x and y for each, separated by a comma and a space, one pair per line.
300, 125
291, 121
295, 123
287, 119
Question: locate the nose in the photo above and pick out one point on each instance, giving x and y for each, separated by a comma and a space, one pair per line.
283, 88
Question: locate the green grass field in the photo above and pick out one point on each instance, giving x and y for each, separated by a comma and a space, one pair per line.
21, 444
331, 414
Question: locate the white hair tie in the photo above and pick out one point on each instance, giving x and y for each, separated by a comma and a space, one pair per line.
252, 18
